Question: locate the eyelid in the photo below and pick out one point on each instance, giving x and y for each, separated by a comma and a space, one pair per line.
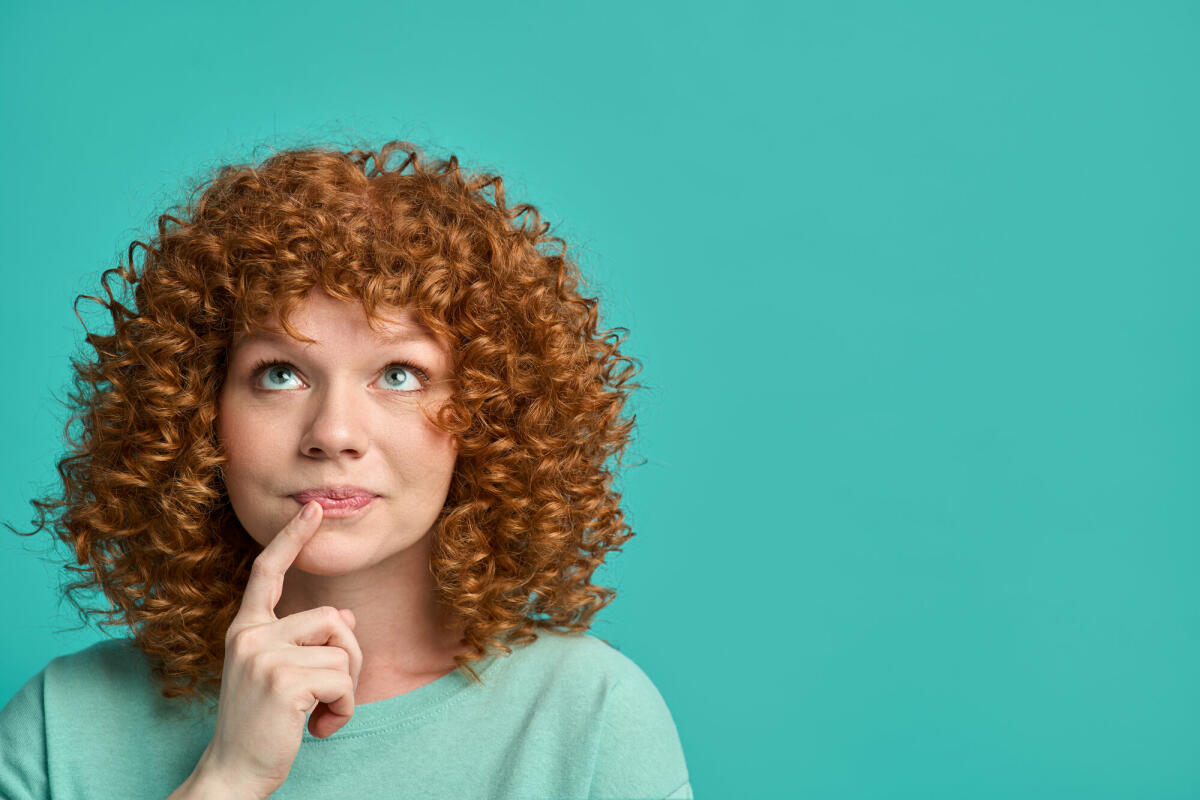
260, 368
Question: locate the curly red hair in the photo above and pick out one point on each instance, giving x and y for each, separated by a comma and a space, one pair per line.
535, 410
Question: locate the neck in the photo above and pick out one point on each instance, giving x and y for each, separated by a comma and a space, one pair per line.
406, 636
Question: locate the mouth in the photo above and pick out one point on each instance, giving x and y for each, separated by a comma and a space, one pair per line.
337, 501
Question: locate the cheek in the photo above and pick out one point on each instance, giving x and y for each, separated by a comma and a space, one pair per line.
425, 456
247, 472
229, 435
438, 446
242, 441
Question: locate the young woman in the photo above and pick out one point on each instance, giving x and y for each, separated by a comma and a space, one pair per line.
342, 471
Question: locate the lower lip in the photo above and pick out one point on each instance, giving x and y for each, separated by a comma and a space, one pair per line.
335, 509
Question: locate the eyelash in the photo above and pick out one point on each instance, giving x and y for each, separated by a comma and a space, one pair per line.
266, 364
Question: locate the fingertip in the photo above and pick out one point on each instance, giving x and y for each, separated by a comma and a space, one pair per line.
311, 509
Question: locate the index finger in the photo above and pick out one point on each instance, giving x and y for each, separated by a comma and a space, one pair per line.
265, 585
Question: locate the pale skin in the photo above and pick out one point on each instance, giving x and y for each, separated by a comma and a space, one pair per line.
340, 608
343, 411
275, 672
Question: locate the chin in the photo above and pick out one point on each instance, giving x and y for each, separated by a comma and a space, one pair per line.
341, 552
329, 561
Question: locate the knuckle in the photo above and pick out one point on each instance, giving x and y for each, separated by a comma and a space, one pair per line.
245, 640
280, 679
260, 569
235, 641
330, 615
258, 665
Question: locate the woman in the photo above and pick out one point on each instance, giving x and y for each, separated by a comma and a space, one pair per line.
343, 474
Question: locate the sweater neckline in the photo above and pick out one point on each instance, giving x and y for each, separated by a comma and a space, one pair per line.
410, 706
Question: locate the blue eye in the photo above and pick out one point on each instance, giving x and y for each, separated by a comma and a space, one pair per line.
406, 369
272, 375
271, 370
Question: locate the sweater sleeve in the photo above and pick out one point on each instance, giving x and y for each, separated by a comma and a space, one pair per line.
639, 753
23, 770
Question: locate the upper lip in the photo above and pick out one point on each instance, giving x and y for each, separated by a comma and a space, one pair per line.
333, 493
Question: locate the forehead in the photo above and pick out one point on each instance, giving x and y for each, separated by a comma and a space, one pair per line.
320, 316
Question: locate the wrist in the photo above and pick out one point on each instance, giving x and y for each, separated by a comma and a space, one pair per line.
209, 782
212, 786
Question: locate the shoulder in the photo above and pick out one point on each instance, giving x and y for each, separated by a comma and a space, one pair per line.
50, 705
582, 661
99, 666
637, 746
107, 661
108, 672
580, 653
23, 770
112, 679
86, 717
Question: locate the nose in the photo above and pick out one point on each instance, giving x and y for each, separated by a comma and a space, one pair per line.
338, 426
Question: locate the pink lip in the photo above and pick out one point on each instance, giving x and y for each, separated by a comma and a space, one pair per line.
337, 501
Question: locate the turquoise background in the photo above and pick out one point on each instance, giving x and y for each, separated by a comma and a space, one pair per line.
915, 290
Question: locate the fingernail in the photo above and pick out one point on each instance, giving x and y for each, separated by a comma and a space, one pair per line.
310, 509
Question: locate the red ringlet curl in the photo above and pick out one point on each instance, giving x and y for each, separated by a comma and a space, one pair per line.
535, 410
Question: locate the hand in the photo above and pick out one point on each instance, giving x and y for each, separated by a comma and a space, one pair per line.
278, 670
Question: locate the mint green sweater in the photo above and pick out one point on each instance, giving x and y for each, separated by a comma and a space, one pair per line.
567, 716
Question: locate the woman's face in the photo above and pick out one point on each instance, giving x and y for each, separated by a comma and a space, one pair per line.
342, 413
